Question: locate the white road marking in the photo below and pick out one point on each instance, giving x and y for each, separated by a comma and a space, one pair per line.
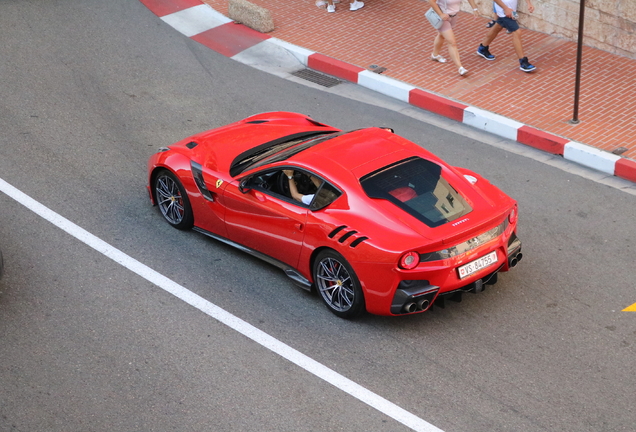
357, 391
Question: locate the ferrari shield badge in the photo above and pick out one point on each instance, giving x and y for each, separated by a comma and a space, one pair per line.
219, 182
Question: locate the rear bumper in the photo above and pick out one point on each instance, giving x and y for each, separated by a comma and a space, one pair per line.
417, 290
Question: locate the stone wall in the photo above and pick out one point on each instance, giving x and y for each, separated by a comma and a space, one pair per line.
610, 25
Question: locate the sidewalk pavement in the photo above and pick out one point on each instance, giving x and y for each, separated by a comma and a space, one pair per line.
531, 108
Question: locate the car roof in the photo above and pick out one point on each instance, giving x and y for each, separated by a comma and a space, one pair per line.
357, 152
362, 151
218, 148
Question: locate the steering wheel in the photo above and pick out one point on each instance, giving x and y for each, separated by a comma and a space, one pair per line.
283, 184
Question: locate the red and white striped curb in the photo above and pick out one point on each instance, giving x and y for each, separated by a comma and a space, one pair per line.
203, 24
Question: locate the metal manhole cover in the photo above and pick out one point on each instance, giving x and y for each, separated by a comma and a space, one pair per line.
317, 77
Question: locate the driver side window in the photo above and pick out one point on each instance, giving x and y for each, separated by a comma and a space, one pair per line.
303, 188
325, 196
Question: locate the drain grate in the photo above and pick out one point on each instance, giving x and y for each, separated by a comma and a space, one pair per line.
317, 77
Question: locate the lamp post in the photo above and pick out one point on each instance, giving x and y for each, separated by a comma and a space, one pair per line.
579, 55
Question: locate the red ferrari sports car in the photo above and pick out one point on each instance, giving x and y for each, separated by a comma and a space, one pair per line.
370, 220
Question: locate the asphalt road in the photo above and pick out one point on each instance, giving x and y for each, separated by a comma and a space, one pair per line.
90, 89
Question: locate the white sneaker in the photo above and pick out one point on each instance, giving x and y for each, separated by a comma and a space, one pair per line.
356, 5
321, 3
462, 71
331, 8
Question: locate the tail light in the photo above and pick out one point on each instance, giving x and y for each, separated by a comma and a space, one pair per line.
409, 260
512, 217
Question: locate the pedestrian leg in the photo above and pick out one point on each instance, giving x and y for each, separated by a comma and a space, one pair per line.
449, 36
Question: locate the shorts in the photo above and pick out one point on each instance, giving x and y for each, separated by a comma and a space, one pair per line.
448, 25
508, 23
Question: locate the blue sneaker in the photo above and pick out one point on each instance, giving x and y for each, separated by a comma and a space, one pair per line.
525, 65
483, 51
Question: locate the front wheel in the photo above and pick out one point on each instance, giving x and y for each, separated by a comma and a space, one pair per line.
338, 285
172, 199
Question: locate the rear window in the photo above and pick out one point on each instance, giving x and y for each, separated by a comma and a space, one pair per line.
417, 186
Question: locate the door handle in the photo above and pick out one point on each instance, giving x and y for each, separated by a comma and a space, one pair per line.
298, 226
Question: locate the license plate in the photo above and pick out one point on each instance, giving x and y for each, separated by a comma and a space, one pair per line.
478, 264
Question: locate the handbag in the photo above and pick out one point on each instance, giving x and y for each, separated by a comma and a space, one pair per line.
435, 20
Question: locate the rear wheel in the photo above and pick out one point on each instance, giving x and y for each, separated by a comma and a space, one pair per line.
338, 285
172, 200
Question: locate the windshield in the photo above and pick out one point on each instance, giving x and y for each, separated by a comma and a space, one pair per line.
417, 186
289, 151
261, 153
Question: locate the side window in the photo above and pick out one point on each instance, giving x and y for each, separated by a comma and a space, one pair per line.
266, 181
277, 183
325, 196
303, 188
302, 185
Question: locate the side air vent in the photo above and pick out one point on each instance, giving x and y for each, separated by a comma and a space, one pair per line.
197, 173
346, 235
257, 121
357, 241
336, 231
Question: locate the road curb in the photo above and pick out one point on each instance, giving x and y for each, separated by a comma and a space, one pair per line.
203, 24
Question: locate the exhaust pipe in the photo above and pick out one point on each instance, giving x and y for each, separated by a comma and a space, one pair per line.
410, 307
515, 260
423, 304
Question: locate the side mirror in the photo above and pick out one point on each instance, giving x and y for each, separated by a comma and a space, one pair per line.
244, 185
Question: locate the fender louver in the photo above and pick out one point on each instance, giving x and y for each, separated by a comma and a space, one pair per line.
347, 234
336, 231
357, 241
